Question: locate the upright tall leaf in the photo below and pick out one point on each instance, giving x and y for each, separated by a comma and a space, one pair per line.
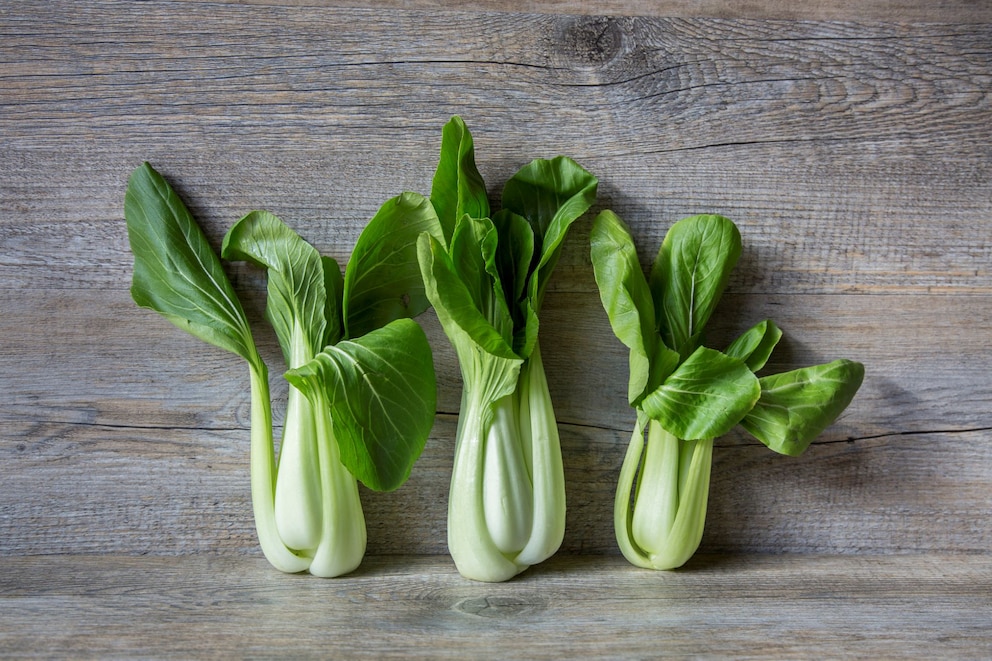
689, 276
457, 189
625, 295
551, 195
297, 301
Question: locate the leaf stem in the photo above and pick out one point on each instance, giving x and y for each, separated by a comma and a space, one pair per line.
263, 476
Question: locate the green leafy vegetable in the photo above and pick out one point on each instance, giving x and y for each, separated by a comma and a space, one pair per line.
506, 506
363, 390
686, 394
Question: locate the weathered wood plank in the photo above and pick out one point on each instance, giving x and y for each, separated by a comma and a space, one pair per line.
92, 488
105, 361
854, 155
417, 607
960, 11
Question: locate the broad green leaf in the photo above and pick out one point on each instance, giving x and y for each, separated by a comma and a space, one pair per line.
382, 394
626, 297
551, 195
755, 345
457, 188
382, 280
689, 276
176, 272
795, 407
454, 303
704, 397
296, 302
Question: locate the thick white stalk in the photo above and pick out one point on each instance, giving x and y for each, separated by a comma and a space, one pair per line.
298, 495
541, 442
622, 501
471, 547
343, 535
507, 496
298, 488
687, 531
263, 477
657, 499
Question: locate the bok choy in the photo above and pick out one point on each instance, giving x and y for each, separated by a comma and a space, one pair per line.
486, 279
686, 394
362, 396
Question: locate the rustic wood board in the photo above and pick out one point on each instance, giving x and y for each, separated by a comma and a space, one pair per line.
851, 145
906, 607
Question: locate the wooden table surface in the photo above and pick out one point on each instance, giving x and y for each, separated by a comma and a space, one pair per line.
850, 142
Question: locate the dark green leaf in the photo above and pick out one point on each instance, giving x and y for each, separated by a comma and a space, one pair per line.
334, 290
514, 259
795, 407
689, 276
705, 397
458, 188
176, 272
755, 346
551, 195
382, 394
382, 280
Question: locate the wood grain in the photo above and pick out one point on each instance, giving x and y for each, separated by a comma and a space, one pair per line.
849, 143
418, 607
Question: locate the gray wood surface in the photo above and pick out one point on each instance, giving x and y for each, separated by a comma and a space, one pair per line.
852, 148
743, 607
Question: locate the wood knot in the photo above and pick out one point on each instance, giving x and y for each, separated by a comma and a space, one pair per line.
500, 608
591, 42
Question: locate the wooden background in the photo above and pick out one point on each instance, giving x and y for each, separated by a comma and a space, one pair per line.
851, 144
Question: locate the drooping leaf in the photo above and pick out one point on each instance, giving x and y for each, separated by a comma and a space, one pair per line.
296, 304
176, 272
704, 397
756, 344
382, 394
626, 297
689, 276
382, 280
550, 195
795, 407
457, 189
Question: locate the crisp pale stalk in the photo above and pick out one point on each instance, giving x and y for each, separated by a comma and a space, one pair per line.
656, 501
539, 433
263, 478
297, 504
343, 534
622, 516
298, 485
507, 496
687, 531
471, 546
663, 527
